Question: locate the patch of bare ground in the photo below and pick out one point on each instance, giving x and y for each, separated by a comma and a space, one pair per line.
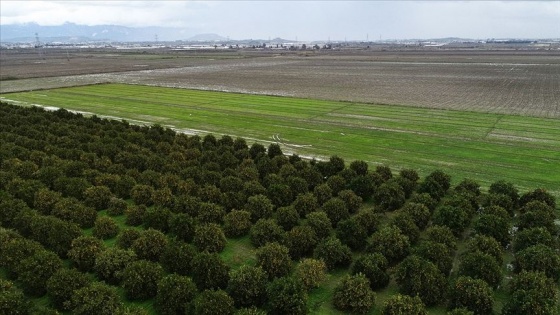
509, 82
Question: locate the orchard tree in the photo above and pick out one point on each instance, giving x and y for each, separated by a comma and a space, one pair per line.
437, 253
419, 213
538, 194
105, 228
157, 218
472, 294
174, 293
98, 197
333, 253
135, 215
116, 206
389, 196
260, 207
487, 245
213, 302
34, 271
211, 213
359, 166
209, 237
182, 226
533, 236
96, 299
368, 219
390, 242
150, 244
352, 233
478, 265
336, 210
209, 271
442, 234
493, 226
12, 299
237, 223
353, 294
406, 224
416, 276
539, 258
323, 193
532, 293
110, 263
140, 279
311, 272
353, 201
247, 286
142, 194
287, 217
305, 204
177, 257
301, 240
456, 219
505, 188
62, 284
126, 238
84, 251
287, 295
266, 231
320, 223
274, 259
374, 268
400, 304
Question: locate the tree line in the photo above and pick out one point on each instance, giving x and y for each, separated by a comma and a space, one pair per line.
90, 207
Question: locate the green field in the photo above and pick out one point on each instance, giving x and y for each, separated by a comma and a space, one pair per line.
481, 146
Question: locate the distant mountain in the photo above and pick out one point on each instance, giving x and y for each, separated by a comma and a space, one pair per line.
26, 33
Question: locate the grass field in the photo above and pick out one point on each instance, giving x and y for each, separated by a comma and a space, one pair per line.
481, 146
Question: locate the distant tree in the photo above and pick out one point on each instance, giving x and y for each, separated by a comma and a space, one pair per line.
62, 284
174, 293
532, 293
539, 258
337, 183
211, 213
497, 211
247, 286
323, 193
368, 219
274, 259
472, 294
45, 199
105, 228
311, 272
333, 253
435, 186
266, 231
406, 224
468, 186
70, 209
353, 202
116, 206
478, 265
425, 199
353, 294
374, 267
142, 194
150, 245
274, 150
84, 251
505, 188
135, 215
237, 223
177, 257
499, 200
400, 304
209, 237
287, 295
390, 242
34, 271
140, 279
416, 276
110, 263
209, 271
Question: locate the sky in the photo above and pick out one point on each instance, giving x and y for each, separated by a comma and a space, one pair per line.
306, 20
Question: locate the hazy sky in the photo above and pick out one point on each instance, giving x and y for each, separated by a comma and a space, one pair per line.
307, 20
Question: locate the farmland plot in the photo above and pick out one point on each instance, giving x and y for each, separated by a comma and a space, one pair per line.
484, 147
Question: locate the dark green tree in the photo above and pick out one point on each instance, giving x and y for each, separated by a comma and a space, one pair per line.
150, 244
110, 263
213, 302
441, 234
305, 204
62, 284
177, 257
352, 233
400, 304
209, 271
96, 299
419, 213
336, 210
237, 223
84, 251
140, 279
320, 223
493, 226
532, 293
209, 237
174, 293
266, 231
354, 295
274, 259
105, 228
390, 242
98, 197
247, 286
12, 299
416, 276
260, 207
34, 271
532, 236
301, 240
374, 267
456, 219
287, 217
287, 295
389, 196
157, 218
487, 245
539, 258
333, 253
182, 226
311, 272
472, 294
478, 265
126, 238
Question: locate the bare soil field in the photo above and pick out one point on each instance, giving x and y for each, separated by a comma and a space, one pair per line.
507, 82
